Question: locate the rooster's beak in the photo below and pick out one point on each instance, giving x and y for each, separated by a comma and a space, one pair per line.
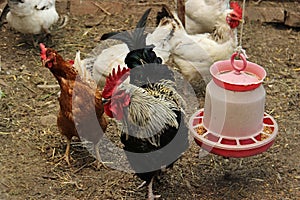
104, 101
235, 16
236, 19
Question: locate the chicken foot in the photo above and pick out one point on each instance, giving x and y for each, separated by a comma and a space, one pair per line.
151, 196
141, 185
257, 2
98, 161
67, 156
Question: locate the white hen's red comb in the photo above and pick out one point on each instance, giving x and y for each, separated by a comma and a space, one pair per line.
236, 7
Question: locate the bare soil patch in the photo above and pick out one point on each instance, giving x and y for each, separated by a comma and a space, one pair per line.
31, 144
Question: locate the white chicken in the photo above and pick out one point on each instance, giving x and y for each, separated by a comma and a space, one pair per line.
32, 16
107, 60
202, 15
194, 54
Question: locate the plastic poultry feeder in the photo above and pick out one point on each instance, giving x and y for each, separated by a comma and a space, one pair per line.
233, 122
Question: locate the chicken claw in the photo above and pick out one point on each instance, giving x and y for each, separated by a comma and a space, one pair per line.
98, 161
67, 157
151, 196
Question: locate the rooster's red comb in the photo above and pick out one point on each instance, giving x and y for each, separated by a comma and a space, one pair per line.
43, 51
236, 7
113, 80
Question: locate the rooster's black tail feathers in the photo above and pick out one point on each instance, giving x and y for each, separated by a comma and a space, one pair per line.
110, 35
135, 39
148, 67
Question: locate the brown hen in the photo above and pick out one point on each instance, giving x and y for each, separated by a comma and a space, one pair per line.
81, 109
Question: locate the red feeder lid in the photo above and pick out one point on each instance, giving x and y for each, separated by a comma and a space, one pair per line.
237, 75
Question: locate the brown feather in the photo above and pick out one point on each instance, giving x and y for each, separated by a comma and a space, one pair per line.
81, 108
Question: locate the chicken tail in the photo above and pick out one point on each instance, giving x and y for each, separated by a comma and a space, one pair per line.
164, 13
63, 21
80, 66
135, 39
140, 53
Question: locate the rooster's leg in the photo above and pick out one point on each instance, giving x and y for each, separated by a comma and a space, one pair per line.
35, 41
99, 162
151, 196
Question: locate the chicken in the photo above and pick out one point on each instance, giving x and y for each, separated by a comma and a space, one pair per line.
111, 57
155, 135
32, 16
81, 109
202, 15
106, 61
154, 132
194, 54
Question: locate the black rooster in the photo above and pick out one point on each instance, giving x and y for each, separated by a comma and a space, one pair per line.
155, 134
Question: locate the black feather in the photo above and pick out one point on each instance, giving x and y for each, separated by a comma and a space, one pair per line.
165, 12
143, 20
152, 73
142, 56
135, 39
16, 1
106, 36
140, 53
173, 143
146, 68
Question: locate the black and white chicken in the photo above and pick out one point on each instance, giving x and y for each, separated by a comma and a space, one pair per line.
150, 108
106, 57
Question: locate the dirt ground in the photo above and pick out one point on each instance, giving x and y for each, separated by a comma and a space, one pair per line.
31, 144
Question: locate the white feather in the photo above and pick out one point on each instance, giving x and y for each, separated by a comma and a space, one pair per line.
32, 16
114, 56
194, 54
80, 66
202, 15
